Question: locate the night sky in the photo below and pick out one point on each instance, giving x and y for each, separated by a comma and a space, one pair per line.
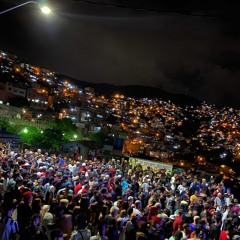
107, 44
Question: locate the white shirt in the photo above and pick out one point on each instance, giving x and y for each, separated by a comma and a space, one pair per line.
5, 184
181, 189
228, 199
173, 179
135, 210
75, 169
70, 167
224, 216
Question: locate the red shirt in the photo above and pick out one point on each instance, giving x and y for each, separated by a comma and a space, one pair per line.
152, 212
77, 188
177, 224
83, 169
112, 171
215, 193
42, 174
223, 235
109, 187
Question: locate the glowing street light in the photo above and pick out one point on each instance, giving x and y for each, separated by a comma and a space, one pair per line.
25, 130
45, 10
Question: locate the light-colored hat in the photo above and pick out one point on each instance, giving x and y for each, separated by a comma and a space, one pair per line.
64, 200
45, 207
158, 205
162, 215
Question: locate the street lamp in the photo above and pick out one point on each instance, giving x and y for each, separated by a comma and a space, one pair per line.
44, 9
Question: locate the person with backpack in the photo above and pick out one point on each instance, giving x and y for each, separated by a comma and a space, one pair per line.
110, 222
131, 228
168, 226
9, 227
24, 211
35, 231
82, 233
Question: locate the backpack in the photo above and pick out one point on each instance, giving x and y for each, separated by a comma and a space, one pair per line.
11, 229
110, 230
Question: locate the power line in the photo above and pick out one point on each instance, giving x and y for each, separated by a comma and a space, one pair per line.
163, 10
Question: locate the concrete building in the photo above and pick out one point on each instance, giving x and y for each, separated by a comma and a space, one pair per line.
16, 89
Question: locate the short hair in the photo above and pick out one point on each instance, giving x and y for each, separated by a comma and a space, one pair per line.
113, 209
180, 211
229, 227
196, 217
130, 211
185, 225
178, 235
138, 202
34, 217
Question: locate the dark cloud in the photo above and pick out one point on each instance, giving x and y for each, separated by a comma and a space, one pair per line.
185, 78
228, 60
221, 86
124, 46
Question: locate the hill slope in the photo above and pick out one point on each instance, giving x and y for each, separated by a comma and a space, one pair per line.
135, 91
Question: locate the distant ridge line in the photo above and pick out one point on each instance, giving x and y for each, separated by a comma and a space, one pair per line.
134, 91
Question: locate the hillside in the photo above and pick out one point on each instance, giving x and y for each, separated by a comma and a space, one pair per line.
135, 91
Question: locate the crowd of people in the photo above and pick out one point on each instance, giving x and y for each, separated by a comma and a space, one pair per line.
44, 196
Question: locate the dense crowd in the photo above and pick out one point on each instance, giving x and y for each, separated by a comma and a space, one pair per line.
44, 196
